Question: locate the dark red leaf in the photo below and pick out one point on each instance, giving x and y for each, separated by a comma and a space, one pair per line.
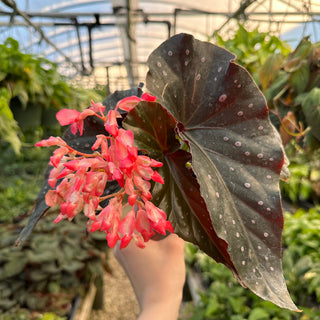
236, 153
154, 130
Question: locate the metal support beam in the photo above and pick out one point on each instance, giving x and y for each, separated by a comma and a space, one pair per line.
84, 71
127, 30
11, 4
236, 15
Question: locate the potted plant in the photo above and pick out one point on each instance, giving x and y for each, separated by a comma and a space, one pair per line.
204, 125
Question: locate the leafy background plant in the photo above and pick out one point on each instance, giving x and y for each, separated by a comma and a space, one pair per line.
223, 298
30, 85
253, 49
31, 92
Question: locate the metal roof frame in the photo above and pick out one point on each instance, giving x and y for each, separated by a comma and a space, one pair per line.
125, 18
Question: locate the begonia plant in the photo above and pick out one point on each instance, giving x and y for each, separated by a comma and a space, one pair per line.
197, 155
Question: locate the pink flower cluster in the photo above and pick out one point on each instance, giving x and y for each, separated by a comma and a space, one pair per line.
84, 178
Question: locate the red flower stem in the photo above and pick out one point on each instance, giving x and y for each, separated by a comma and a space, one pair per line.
103, 117
120, 192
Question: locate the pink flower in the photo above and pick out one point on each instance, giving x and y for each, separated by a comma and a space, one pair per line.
73, 117
126, 228
129, 103
102, 142
97, 107
112, 125
52, 141
83, 178
53, 198
124, 140
95, 183
58, 154
70, 116
148, 97
158, 218
89, 209
143, 225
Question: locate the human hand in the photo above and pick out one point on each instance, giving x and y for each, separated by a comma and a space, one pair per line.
157, 274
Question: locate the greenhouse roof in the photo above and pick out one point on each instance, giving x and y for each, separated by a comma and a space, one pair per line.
108, 41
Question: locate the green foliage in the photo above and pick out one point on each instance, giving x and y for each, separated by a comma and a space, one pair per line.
21, 177
302, 257
24, 314
53, 266
225, 299
9, 128
293, 87
290, 80
304, 183
56, 262
253, 49
31, 92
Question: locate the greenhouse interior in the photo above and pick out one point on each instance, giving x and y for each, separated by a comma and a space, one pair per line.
181, 174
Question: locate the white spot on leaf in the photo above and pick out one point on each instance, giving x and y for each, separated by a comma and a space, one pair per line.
223, 98
240, 114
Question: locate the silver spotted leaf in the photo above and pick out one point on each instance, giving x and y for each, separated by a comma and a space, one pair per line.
236, 154
155, 130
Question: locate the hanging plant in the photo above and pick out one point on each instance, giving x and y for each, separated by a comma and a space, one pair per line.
217, 155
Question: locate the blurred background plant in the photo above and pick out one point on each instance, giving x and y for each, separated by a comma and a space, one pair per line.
31, 92
221, 296
52, 268
41, 279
